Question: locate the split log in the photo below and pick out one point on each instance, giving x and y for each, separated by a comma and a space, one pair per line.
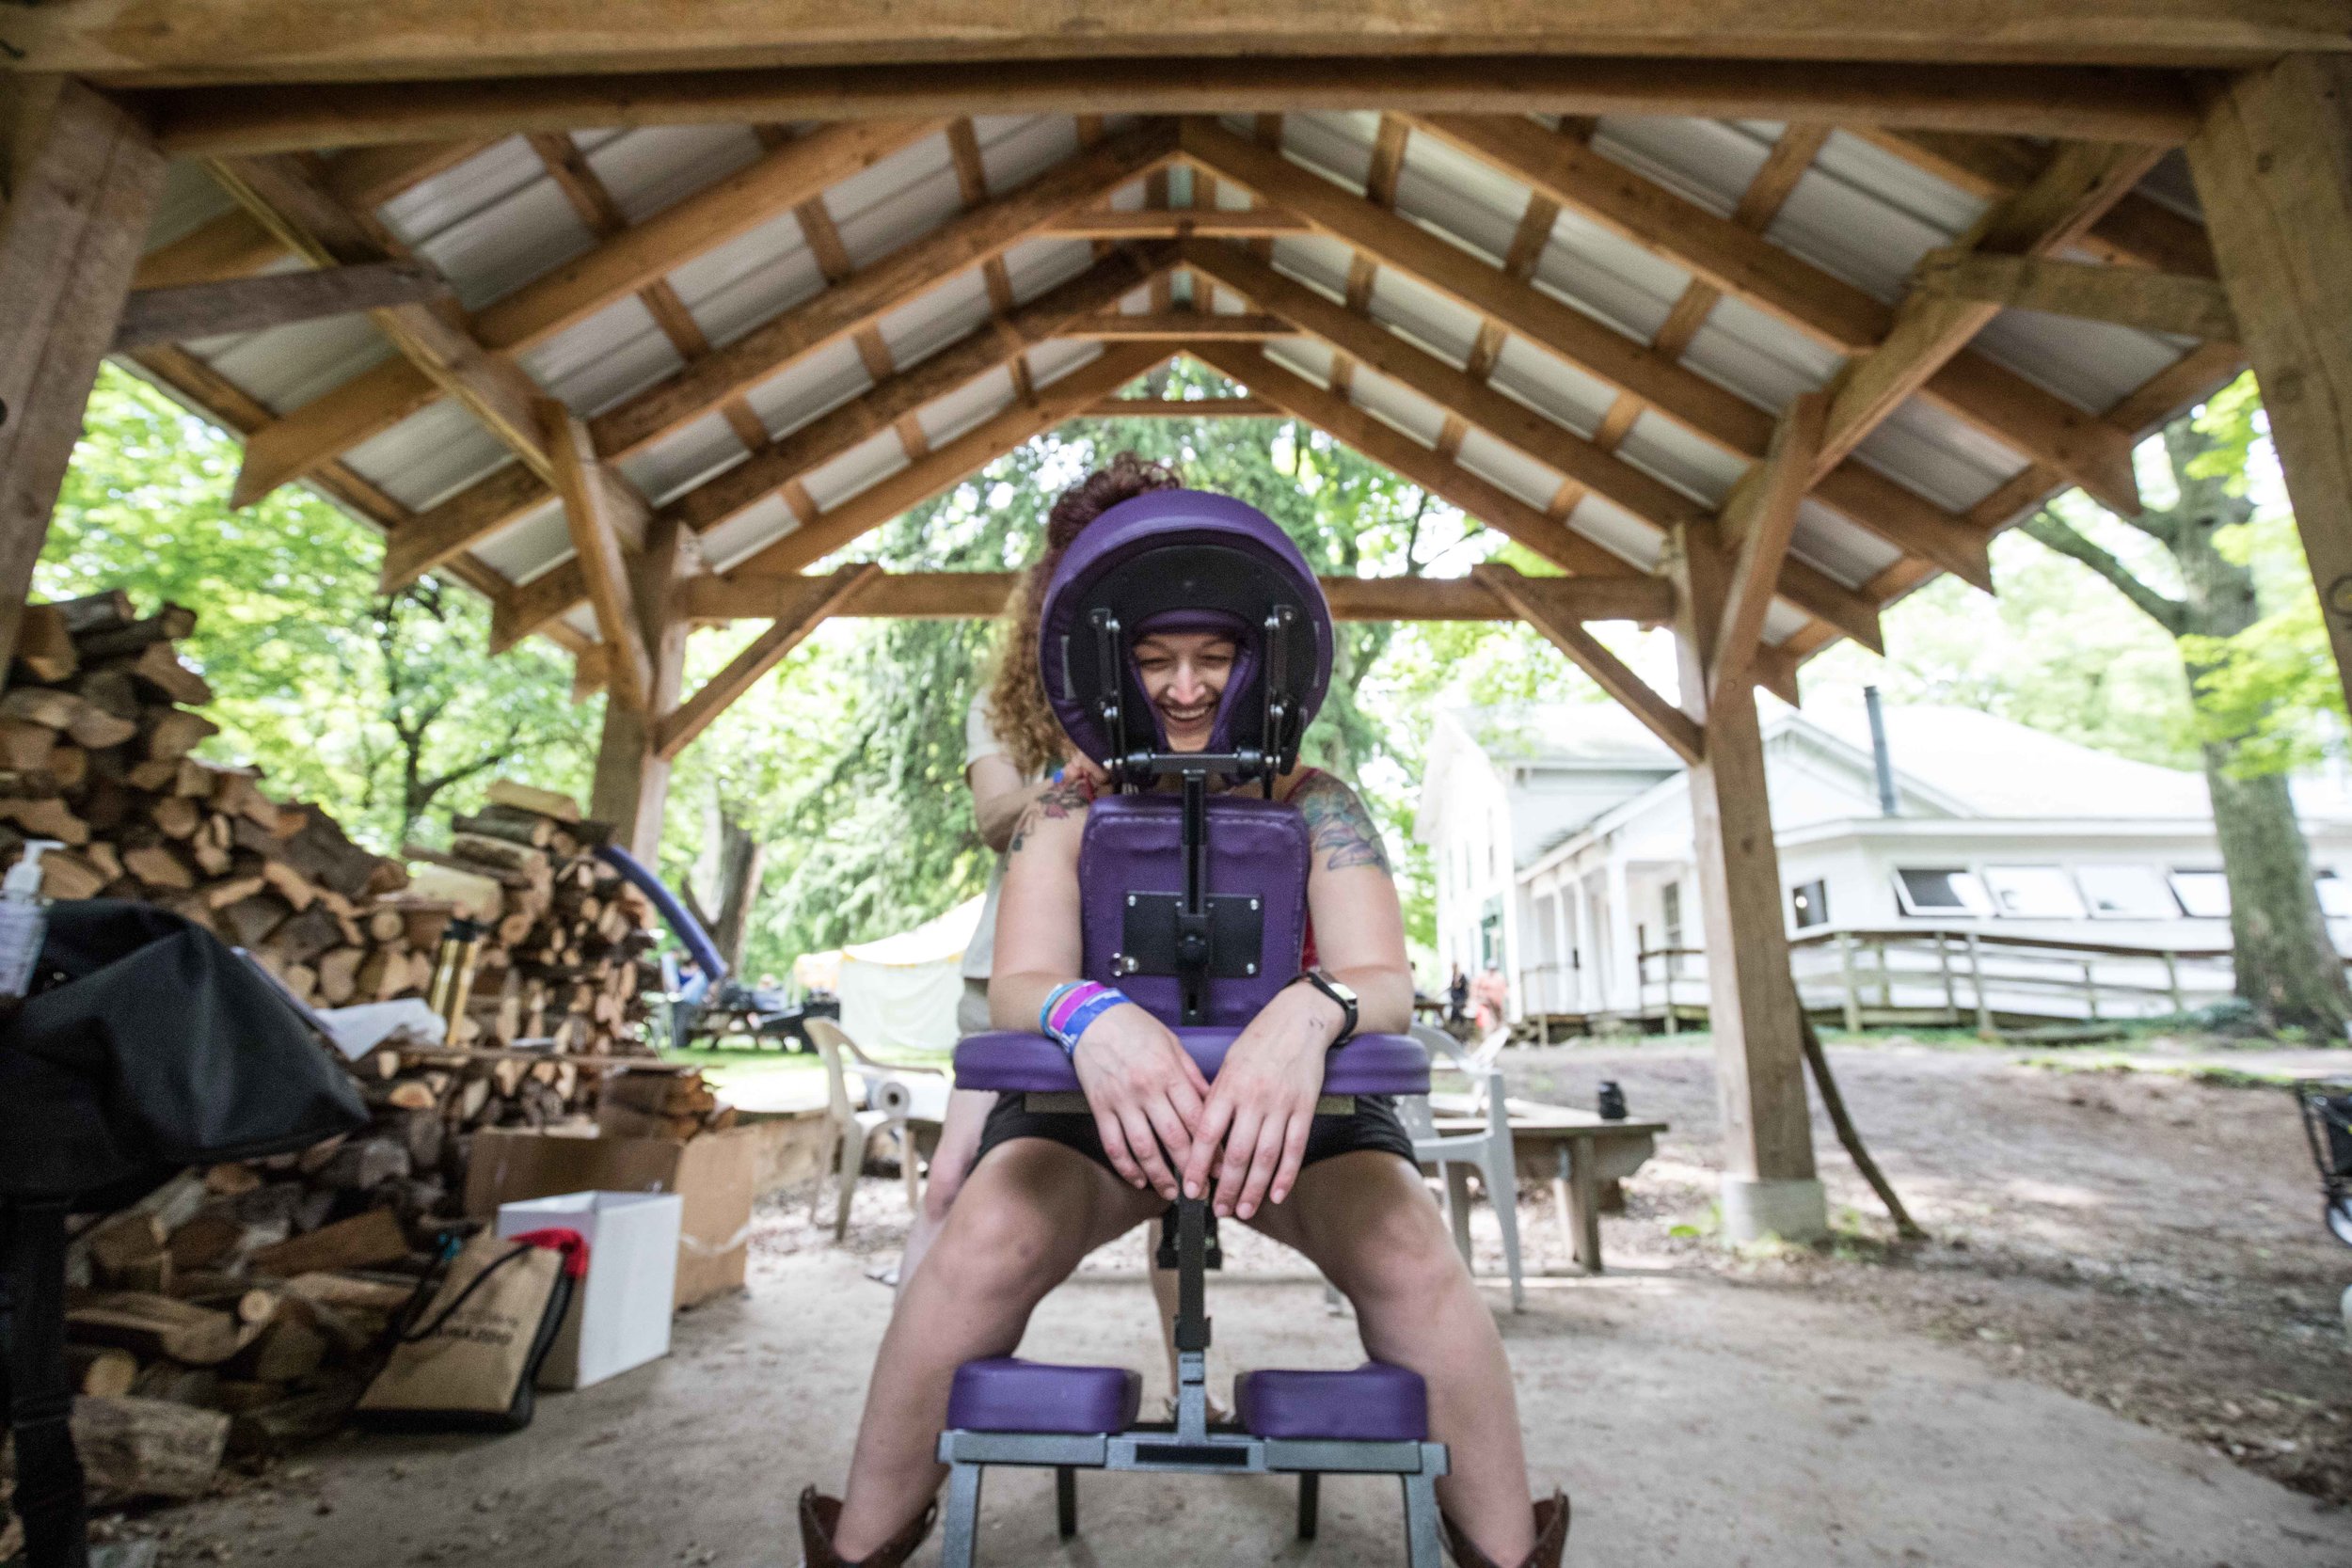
152, 1325
102, 1370
358, 1242
168, 624
544, 802
140, 1448
45, 643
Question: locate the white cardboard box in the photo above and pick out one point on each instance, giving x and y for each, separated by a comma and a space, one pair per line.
620, 1314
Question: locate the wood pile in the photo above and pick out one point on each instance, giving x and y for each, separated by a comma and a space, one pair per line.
96, 728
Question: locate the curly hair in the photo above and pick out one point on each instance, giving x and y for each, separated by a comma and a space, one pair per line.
1017, 708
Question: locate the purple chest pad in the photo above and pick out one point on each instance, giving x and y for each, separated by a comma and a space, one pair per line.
1132, 857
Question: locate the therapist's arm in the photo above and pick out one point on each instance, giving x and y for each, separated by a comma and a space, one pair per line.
999, 798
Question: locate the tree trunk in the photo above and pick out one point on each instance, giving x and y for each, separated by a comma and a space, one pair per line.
742, 859
2286, 965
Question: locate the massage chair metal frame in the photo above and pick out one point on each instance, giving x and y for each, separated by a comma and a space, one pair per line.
1182, 560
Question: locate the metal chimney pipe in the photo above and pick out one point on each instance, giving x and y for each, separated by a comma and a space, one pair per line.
1879, 757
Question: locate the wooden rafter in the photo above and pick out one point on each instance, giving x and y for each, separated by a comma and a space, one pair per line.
630, 260
981, 595
434, 338
2127, 296
1510, 422
178, 313
1609, 672
1180, 325
1656, 379
233, 244
2152, 106
814, 599
959, 245
597, 527
1760, 534
733, 490
2082, 182
1734, 258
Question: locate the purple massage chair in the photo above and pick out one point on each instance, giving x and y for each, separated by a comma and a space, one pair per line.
1195, 905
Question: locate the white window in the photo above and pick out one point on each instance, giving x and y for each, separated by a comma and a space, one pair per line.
1940, 891
2335, 896
2203, 895
2125, 893
1810, 904
2032, 893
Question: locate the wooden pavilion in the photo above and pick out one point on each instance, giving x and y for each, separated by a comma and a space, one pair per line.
1750, 317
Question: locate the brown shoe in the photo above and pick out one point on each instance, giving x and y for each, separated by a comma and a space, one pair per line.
820, 1515
1551, 1539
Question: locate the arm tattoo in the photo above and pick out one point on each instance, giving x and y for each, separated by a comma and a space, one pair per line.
1338, 825
1059, 801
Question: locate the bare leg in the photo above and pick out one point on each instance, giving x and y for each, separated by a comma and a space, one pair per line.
951, 1161
1029, 1213
1365, 1220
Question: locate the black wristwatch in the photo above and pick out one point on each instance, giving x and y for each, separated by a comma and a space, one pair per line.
1342, 994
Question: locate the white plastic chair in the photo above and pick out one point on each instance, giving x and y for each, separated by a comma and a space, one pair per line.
852, 1127
898, 1094
1455, 1154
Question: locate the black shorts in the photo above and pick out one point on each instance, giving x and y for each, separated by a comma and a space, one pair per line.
1373, 1124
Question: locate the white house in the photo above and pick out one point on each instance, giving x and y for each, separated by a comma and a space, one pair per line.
1561, 844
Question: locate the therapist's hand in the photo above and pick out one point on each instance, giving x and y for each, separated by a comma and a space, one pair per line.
1145, 1092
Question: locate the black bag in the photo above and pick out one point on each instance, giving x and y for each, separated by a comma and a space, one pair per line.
150, 1046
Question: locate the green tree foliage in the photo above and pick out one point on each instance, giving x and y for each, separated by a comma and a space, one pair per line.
378, 708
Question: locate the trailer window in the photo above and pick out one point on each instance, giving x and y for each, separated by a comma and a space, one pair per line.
1940, 890
2203, 895
2032, 893
2125, 893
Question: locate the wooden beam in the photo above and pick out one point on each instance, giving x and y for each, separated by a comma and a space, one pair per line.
177, 315
1177, 223
1180, 325
597, 549
2082, 182
79, 204
380, 398
1762, 535
792, 456
2273, 168
631, 784
2127, 296
963, 242
1386, 445
1611, 673
981, 595
234, 245
951, 465
1738, 261
443, 533
2136, 232
817, 598
1657, 380
2119, 105
1183, 408
1508, 421
281, 192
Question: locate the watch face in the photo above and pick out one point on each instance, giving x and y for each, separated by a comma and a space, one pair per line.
1345, 993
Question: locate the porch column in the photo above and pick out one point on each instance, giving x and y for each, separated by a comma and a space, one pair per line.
2273, 167
632, 780
1625, 946
1770, 1186
81, 181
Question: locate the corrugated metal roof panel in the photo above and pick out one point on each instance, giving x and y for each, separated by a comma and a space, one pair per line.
647, 170
1514, 470
1710, 162
866, 465
752, 531
2092, 365
529, 545
428, 456
687, 458
190, 199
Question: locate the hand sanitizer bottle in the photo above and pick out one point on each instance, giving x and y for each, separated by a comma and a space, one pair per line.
23, 918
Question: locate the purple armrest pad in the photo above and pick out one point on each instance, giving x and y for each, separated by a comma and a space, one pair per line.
1031, 1064
1374, 1403
1005, 1394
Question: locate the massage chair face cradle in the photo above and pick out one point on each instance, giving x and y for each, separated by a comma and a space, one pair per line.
1194, 905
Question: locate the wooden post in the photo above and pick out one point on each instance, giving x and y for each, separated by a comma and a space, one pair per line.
632, 780
1853, 990
2090, 988
2273, 167
82, 186
1768, 1184
1975, 978
2172, 982
1944, 964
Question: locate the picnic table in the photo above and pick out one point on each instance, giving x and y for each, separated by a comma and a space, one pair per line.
1577, 1152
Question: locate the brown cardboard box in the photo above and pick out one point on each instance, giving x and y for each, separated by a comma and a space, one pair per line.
712, 1173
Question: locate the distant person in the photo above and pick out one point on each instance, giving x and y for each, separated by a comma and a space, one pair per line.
1457, 996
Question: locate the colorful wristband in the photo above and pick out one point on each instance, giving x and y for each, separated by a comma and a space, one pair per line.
1091, 1008
1065, 1000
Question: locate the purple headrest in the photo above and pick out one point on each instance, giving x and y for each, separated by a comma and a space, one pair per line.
1188, 560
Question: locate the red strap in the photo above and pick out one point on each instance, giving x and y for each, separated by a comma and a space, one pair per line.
571, 1243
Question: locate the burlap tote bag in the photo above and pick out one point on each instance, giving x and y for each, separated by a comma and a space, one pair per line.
473, 1358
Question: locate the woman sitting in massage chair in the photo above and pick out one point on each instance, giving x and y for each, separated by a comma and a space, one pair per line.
1046, 1190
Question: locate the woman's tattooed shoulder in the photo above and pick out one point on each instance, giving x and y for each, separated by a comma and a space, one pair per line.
1340, 827
1060, 802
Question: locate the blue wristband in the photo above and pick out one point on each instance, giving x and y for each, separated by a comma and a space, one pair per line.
1052, 1000
1095, 1007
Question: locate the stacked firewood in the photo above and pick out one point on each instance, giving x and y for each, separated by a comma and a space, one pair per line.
96, 728
566, 955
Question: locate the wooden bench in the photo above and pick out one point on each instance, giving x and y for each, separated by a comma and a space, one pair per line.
1575, 1150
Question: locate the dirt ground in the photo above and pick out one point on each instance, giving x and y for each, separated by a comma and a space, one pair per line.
2124, 1337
